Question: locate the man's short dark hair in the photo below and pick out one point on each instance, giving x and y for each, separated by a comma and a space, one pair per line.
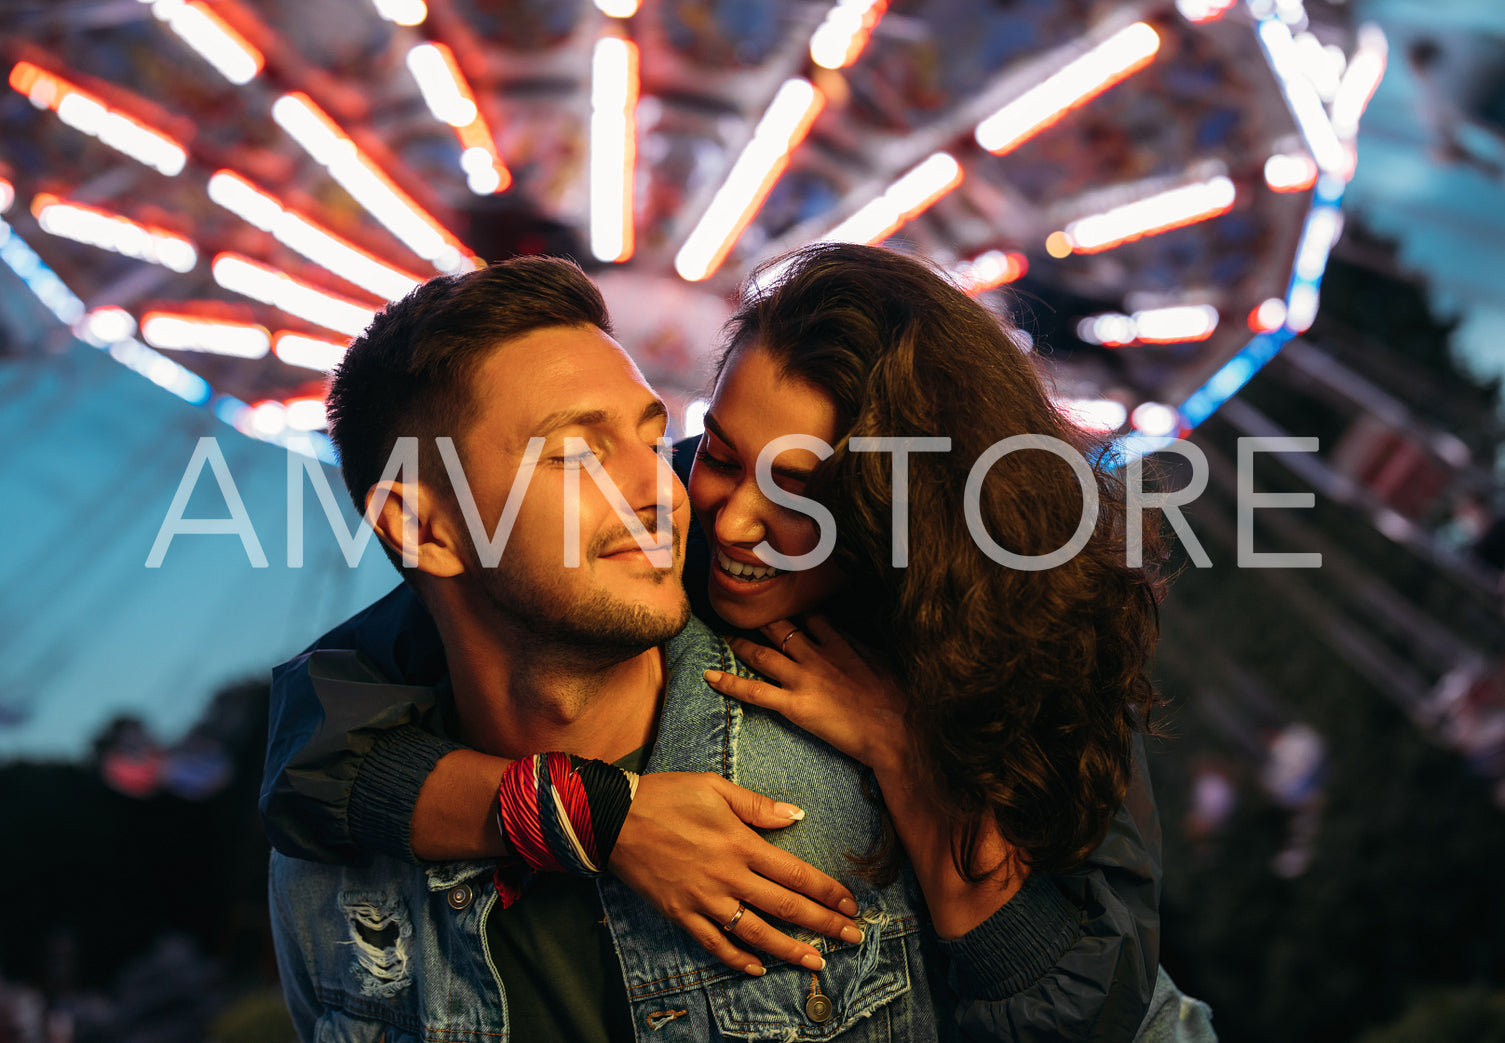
410, 372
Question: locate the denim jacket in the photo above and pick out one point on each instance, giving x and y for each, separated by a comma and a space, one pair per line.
1068, 958
395, 952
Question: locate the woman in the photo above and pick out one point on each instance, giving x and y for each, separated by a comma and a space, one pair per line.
996, 707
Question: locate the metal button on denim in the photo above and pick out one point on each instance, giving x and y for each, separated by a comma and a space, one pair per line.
818, 1008
460, 896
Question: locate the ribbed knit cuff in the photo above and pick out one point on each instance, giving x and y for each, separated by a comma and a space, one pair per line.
386, 789
1017, 945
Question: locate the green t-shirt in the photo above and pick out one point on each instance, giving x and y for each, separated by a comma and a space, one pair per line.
555, 954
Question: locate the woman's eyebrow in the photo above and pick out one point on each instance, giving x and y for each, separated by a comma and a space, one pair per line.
794, 474
715, 429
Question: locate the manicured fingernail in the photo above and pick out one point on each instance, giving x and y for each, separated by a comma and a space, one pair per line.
846, 905
813, 962
852, 935
790, 812
712, 676
757, 970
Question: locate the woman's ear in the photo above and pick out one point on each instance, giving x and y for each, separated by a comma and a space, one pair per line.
407, 518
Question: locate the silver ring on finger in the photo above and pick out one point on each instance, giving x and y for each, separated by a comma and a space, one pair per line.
727, 927
784, 643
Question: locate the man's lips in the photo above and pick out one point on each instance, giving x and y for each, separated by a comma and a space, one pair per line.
633, 548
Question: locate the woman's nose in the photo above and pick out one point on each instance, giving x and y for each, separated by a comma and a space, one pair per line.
740, 520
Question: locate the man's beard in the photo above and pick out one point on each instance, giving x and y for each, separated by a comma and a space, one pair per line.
597, 626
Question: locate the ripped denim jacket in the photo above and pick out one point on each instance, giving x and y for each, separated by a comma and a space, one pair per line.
396, 952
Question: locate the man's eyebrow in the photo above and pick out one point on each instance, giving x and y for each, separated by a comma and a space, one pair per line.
794, 474
592, 417
655, 410
571, 418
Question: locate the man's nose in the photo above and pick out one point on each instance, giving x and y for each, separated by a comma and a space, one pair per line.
647, 479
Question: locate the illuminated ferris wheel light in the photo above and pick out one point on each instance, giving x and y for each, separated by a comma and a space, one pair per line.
1152, 215
171, 331
306, 352
839, 39
1079, 81
903, 201
235, 57
783, 126
318, 244
402, 12
613, 147
94, 226
331, 147
266, 284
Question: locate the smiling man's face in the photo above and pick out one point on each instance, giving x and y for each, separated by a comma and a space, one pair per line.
576, 383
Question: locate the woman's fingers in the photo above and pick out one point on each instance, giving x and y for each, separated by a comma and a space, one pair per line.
753, 930
796, 892
723, 945
686, 848
743, 689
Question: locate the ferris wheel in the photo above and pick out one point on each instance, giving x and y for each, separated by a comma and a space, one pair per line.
221, 193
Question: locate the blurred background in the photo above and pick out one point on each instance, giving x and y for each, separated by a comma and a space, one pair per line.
1210, 219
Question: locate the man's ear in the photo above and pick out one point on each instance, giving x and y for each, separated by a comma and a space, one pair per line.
408, 518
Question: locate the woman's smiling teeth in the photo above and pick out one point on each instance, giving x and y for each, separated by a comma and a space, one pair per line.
747, 572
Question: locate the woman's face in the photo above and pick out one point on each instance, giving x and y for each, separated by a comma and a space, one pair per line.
752, 405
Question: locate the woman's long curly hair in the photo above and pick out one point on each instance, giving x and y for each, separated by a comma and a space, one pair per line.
1025, 688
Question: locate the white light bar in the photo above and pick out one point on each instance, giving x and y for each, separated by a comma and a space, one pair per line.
753, 175
39, 279
264, 283
1303, 101
1360, 80
840, 38
212, 37
439, 80
613, 145
1290, 172
1079, 81
1323, 226
7, 195
1155, 418
161, 370
617, 8
1199, 11
1151, 216
903, 201
1100, 415
450, 99
299, 349
113, 232
1301, 312
318, 244
87, 114
403, 12
170, 331
1175, 325
988, 271
306, 414
1269, 314
1111, 330
104, 326
307, 124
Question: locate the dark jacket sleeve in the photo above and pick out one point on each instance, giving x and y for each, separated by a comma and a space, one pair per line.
1072, 957
346, 749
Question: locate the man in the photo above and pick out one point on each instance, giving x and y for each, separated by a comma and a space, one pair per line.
516, 363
